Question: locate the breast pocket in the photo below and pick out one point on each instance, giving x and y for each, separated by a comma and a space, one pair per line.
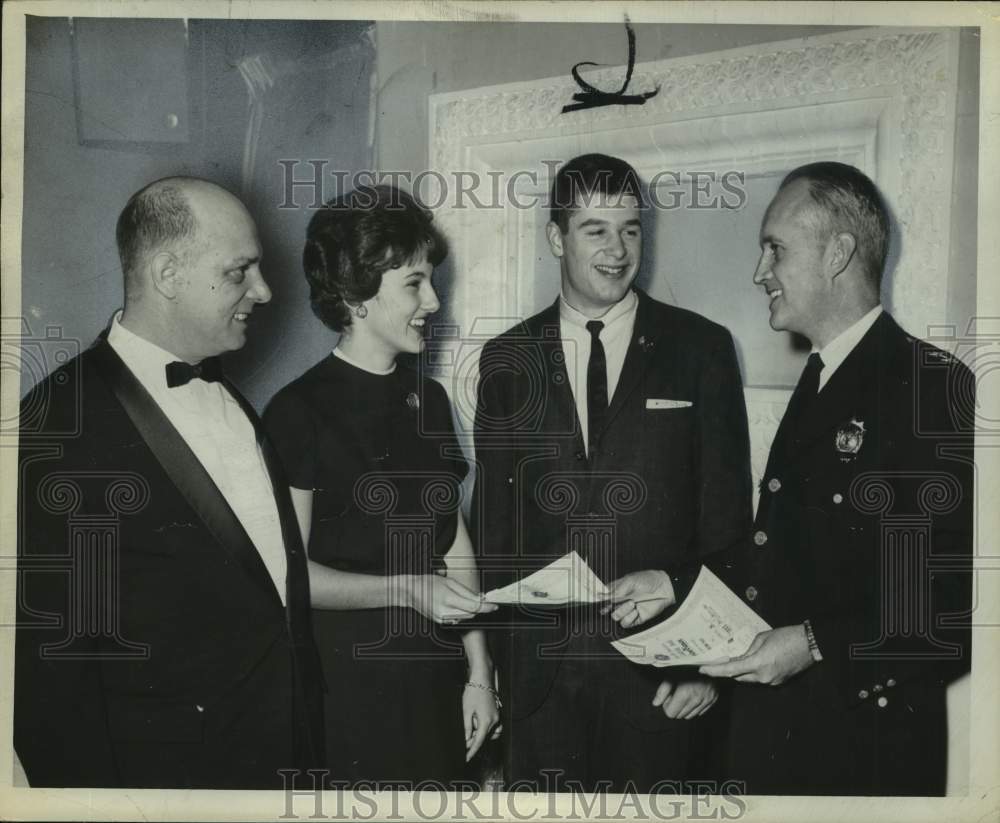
667, 431
666, 442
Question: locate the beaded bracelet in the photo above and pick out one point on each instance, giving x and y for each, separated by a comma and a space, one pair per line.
492, 691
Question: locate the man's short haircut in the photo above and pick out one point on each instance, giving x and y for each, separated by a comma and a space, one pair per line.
585, 179
848, 201
155, 217
352, 241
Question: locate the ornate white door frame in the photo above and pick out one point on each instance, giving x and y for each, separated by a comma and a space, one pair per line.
882, 99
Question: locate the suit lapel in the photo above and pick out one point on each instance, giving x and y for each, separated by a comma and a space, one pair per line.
641, 349
561, 412
179, 462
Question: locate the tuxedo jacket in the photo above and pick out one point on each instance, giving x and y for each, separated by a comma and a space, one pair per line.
864, 528
667, 484
152, 647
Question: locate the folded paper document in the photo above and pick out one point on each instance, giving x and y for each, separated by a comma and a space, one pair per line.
711, 624
566, 580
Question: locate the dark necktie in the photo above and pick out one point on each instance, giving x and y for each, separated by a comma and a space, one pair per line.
597, 385
180, 373
802, 398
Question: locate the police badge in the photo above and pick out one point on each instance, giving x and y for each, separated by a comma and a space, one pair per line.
849, 438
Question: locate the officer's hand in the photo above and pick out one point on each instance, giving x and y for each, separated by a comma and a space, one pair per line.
688, 699
773, 657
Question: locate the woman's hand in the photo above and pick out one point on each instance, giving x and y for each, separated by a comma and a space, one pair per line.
481, 715
442, 599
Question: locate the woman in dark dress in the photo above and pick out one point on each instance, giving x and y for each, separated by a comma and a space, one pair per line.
375, 468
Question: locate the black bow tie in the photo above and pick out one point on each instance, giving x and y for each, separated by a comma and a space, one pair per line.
180, 373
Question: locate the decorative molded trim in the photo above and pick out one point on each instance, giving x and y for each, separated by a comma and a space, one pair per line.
915, 69
881, 98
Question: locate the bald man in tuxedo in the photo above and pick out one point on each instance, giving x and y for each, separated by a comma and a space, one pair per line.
163, 635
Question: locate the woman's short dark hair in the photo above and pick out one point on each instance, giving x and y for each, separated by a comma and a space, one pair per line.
353, 240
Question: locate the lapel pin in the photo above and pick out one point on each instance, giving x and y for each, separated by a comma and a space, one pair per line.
412, 400
644, 344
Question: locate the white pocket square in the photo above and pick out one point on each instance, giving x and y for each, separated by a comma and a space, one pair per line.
662, 403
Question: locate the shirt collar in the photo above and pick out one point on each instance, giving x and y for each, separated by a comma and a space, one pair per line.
142, 357
835, 352
623, 308
340, 355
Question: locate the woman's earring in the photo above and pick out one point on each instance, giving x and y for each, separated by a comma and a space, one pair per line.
361, 311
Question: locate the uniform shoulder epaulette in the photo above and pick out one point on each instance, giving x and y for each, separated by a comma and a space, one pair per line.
940, 356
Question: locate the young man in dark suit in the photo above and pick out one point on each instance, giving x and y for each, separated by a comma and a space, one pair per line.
163, 635
859, 556
613, 425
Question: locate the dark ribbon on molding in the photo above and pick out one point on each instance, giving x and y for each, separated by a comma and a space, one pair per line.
592, 98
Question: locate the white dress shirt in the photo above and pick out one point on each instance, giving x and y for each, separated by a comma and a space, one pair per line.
835, 352
217, 430
619, 321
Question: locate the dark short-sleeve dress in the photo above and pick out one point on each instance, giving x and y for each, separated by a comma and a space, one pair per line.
380, 454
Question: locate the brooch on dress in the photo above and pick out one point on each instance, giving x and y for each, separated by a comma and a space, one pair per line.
412, 400
850, 438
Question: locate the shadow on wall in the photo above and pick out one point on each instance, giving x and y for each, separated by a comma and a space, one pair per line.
92, 139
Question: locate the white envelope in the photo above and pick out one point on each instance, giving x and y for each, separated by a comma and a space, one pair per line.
566, 580
662, 403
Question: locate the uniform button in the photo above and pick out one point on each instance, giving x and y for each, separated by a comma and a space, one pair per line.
838, 498
863, 694
760, 538
751, 593
890, 682
883, 702
774, 484
877, 688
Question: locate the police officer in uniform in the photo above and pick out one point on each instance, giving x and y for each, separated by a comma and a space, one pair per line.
859, 555
860, 550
